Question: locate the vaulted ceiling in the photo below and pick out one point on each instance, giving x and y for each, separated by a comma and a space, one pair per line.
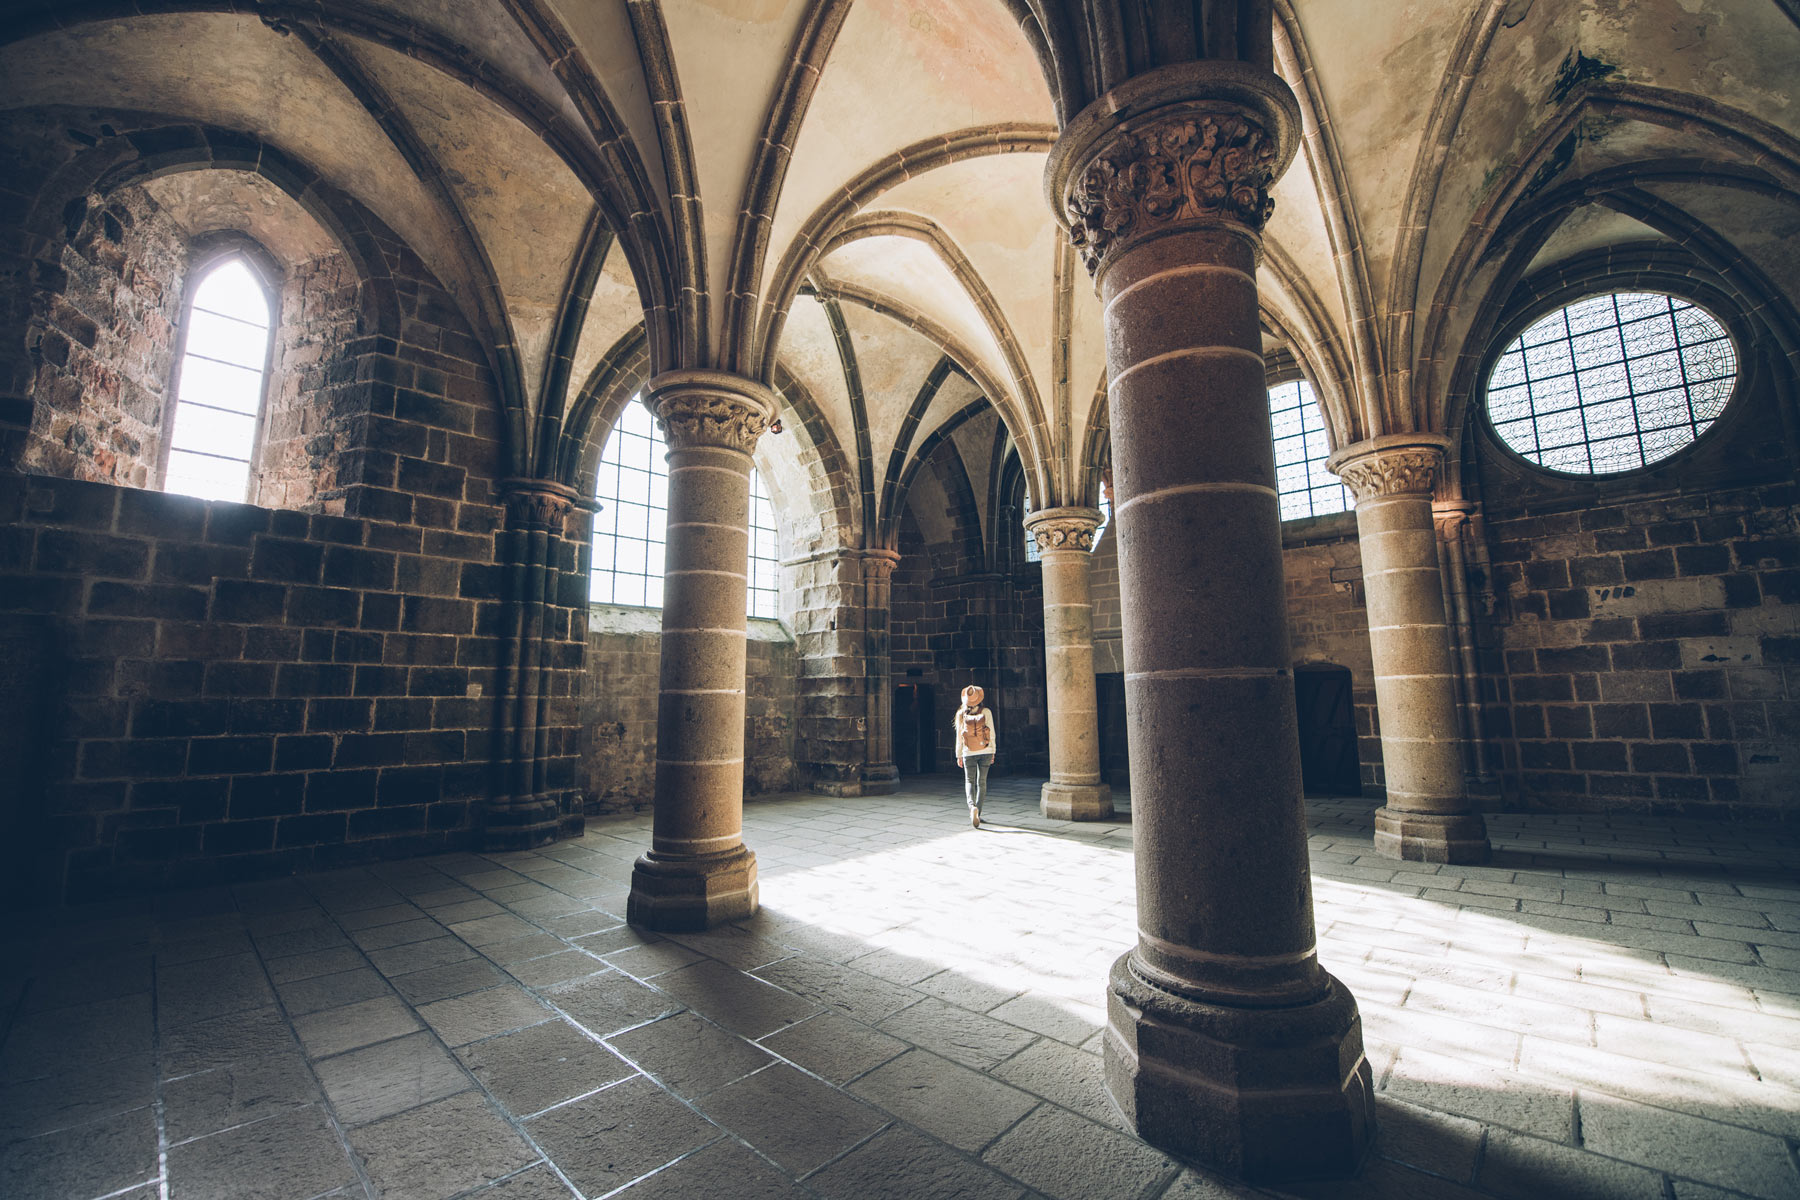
848, 193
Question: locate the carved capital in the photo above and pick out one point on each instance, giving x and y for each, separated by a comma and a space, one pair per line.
1192, 145
1399, 465
709, 408
537, 504
1183, 170
878, 566
1063, 528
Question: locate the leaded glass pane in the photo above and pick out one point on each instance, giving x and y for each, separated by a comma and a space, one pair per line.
1612, 383
632, 486
219, 390
1306, 488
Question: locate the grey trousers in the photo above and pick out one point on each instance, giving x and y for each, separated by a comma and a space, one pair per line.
975, 773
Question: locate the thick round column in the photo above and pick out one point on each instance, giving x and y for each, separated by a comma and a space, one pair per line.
1226, 1041
880, 775
1428, 816
1065, 543
698, 872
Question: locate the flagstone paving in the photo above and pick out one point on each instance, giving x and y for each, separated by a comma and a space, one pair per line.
1610, 1009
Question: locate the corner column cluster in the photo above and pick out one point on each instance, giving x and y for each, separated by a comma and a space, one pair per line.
1226, 1040
698, 873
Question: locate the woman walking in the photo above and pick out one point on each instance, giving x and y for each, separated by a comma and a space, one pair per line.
975, 745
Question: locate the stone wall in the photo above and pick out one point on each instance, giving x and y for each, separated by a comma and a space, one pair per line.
956, 623
822, 597
617, 770
103, 341
311, 400
232, 691
1327, 619
1653, 653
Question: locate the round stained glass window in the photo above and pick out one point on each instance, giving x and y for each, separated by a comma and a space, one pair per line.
1612, 383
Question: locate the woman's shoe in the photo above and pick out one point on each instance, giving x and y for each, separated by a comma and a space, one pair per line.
975, 818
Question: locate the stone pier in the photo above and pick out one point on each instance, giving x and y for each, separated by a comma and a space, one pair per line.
1227, 1042
1065, 543
1428, 816
698, 873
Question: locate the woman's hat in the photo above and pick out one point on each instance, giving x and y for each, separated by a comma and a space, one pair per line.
972, 696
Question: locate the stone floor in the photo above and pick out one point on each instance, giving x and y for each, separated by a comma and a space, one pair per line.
1612, 1009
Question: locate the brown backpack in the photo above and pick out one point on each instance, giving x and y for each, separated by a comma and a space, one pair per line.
976, 734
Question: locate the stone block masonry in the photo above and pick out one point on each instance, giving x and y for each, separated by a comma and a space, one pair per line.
1653, 655
617, 715
235, 692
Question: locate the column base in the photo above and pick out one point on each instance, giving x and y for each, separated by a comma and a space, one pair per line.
688, 894
1267, 1095
523, 825
880, 779
1431, 837
1076, 801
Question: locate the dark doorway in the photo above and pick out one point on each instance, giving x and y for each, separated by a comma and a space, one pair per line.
915, 724
1115, 762
1328, 765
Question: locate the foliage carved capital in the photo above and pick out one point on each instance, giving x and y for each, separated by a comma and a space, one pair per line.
1405, 465
709, 409
1199, 169
1188, 145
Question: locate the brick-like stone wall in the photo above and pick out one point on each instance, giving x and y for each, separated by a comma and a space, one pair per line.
236, 692
233, 690
1653, 653
103, 341
823, 597
956, 622
312, 395
1328, 620
618, 709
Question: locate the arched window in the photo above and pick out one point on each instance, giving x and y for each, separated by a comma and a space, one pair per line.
1611, 383
219, 384
1307, 489
629, 529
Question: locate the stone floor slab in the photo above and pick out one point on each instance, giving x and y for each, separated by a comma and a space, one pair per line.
85, 1160
609, 1139
792, 1118
690, 1055
290, 1156
390, 1077
440, 1149
535, 1068
949, 1101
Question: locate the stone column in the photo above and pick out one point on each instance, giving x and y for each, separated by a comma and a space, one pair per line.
880, 775
525, 812
1065, 541
1226, 1040
1428, 817
698, 872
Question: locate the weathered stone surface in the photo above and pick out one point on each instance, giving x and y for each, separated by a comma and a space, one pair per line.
440, 1149
289, 1154
610, 1138
688, 1055
546, 1064
389, 1077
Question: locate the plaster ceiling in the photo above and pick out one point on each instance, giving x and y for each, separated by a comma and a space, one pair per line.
1438, 113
